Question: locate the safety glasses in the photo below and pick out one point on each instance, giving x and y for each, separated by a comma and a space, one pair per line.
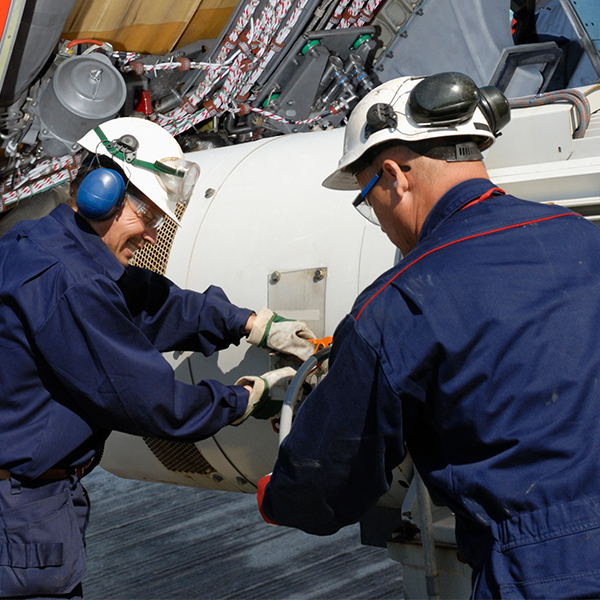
152, 219
361, 202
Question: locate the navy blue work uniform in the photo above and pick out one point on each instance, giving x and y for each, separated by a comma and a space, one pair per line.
80, 344
479, 353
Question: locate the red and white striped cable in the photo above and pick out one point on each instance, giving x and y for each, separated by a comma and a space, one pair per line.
174, 120
367, 13
350, 15
44, 175
179, 120
277, 45
337, 14
41, 185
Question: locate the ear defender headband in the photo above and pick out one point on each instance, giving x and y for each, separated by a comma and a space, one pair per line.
101, 194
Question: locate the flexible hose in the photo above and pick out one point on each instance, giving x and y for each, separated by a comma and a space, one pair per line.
291, 396
574, 97
73, 43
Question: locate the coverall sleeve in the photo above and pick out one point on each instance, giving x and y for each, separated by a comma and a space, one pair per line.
176, 319
115, 376
346, 439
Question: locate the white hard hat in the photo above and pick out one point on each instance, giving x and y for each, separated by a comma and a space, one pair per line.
150, 157
412, 109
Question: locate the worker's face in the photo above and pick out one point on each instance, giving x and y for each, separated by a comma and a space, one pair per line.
127, 232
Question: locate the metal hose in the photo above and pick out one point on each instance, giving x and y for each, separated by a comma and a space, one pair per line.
574, 97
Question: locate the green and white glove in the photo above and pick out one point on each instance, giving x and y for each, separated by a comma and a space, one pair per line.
268, 393
283, 335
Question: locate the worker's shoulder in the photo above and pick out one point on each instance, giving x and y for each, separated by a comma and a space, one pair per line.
469, 242
517, 224
382, 301
22, 257
496, 225
44, 257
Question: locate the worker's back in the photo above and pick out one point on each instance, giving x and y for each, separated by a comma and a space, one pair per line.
499, 383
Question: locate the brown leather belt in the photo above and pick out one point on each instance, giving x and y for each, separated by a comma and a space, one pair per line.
62, 473
52, 474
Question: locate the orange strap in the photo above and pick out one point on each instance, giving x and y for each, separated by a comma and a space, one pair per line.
322, 343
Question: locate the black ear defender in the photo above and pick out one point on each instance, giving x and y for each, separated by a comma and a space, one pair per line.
495, 107
443, 99
101, 194
447, 99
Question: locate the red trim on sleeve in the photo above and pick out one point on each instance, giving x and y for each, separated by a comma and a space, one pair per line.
260, 494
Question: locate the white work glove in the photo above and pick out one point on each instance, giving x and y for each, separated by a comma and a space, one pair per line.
283, 335
268, 393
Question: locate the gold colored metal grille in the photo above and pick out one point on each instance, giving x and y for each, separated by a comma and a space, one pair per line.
156, 257
181, 457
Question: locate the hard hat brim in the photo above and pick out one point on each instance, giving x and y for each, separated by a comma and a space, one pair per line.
341, 180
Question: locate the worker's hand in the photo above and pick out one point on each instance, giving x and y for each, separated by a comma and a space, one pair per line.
283, 335
260, 494
268, 393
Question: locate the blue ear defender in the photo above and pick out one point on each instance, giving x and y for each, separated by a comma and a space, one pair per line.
100, 194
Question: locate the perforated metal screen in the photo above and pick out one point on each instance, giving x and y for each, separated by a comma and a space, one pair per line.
181, 457
156, 257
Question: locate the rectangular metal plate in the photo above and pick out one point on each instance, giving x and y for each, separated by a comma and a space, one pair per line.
300, 295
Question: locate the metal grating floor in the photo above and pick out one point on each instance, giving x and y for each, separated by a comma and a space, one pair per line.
157, 542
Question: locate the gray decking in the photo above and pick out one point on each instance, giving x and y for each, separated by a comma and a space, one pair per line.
153, 541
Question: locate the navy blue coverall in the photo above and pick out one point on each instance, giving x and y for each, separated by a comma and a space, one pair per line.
80, 344
479, 353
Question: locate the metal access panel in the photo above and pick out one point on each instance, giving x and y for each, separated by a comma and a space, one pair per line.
300, 295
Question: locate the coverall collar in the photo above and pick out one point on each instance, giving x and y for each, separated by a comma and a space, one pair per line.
89, 239
453, 200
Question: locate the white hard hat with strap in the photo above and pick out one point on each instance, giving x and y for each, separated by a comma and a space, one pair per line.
150, 157
415, 109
